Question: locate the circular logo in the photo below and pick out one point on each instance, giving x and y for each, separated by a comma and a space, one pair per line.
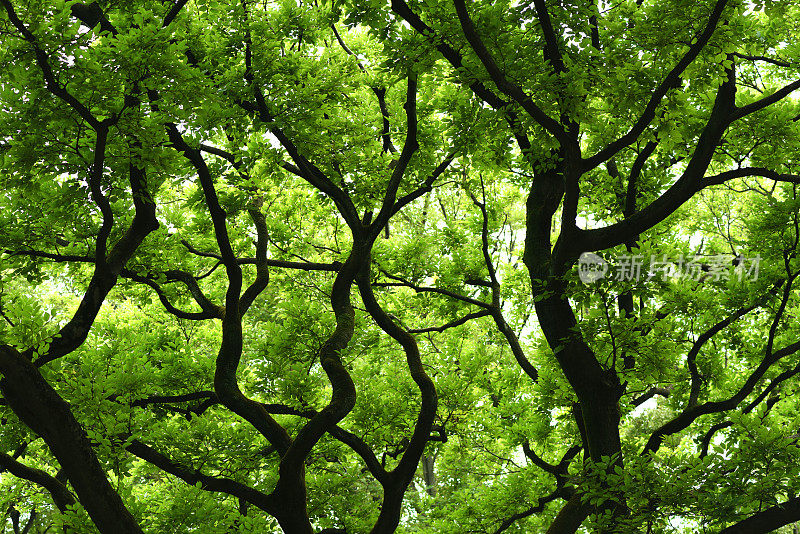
591, 267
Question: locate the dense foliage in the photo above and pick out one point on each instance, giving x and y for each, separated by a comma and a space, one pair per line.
335, 266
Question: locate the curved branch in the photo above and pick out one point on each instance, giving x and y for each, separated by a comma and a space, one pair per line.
508, 87
705, 443
672, 80
262, 268
51, 83
210, 311
74, 333
226, 384
206, 482
703, 339
396, 483
689, 183
768, 520
291, 484
496, 308
689, 415
61, 495
410, 146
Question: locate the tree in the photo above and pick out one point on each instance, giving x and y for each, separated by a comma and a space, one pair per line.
316, 266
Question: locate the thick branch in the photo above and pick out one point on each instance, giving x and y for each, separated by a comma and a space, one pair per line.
768, 520
400, 477
744, 172
553, 49
40, 407
73, 334
208, 483
650, 393
291, 484
508, 87
61, 495
226, 384
173, 12
43, 61
762, 103
682, 190
689, 415
672, 80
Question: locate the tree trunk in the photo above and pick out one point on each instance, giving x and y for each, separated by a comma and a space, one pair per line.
40, 407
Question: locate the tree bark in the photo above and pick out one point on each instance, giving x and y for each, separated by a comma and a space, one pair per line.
40, 407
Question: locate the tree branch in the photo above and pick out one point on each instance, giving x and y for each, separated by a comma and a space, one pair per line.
173, 12
689, 415
539, 508
410, 146
208, 483
767, 100
452, 324
682, 190
508, 87
744, 172
703, 339
777, 62
262, 268
767, 520
380, 94
51, 83
73, 334
672, 80
402, 282
59, 492
496, 307
650, 393
400, 477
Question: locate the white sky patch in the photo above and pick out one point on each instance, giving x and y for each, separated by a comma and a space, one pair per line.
646, 406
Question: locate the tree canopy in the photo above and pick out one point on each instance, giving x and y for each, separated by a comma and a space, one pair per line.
409, 266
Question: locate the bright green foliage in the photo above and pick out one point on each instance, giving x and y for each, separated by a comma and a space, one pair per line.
306, 158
